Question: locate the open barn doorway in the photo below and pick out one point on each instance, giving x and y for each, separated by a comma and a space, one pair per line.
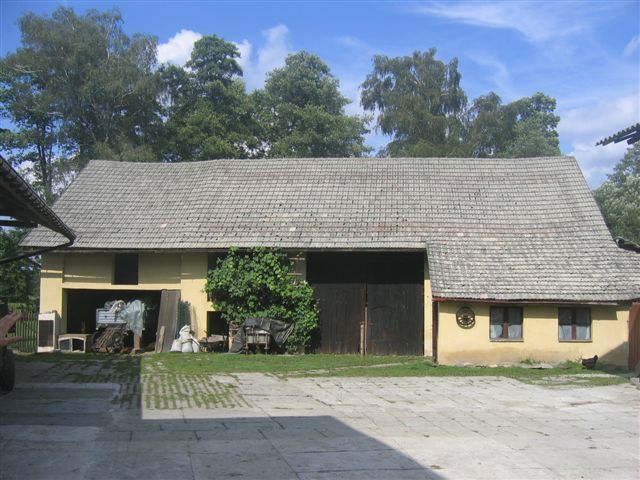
369, 302
81, 306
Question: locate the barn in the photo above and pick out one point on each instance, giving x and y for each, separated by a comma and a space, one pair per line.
470, 260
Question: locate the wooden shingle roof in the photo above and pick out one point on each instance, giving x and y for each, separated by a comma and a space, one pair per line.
504, 229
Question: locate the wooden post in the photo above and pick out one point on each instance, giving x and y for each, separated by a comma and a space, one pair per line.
160, 340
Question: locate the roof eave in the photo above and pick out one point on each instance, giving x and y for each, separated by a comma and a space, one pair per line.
530, 301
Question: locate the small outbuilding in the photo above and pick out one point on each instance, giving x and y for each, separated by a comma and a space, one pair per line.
470, 260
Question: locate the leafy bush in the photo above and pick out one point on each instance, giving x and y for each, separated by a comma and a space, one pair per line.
258, 283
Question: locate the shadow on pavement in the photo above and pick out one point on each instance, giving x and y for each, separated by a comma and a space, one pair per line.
52, 429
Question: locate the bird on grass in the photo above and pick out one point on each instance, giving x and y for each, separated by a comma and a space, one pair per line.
590, 363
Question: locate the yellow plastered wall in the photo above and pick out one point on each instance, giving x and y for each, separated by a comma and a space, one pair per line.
156, 271
456, 345
51, 298
192, 281
428, 312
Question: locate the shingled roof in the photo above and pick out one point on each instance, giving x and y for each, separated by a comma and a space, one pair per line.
503, 229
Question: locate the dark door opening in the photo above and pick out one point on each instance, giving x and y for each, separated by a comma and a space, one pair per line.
82, 304
216, 325
382, 292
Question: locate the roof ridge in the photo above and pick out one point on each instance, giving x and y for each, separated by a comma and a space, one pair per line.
354, 159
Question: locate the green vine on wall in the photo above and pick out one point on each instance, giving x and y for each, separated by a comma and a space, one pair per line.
258, 283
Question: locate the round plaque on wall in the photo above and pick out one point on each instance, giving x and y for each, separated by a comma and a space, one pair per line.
465, 317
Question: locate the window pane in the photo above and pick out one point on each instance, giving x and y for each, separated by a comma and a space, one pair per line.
497, 318
515, 315
496, 330
497, 315
125, 269
564, 332
583, 316
583, 332
515, 330
564, 316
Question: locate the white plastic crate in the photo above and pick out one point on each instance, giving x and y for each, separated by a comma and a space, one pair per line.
106, 317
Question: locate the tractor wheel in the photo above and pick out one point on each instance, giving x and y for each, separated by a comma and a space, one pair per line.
116, 342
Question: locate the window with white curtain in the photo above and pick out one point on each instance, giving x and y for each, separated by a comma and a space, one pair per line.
505, 323
574, 324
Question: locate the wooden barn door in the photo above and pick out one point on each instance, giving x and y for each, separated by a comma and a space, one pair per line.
634, 336
395, 304
382, 292
338, 280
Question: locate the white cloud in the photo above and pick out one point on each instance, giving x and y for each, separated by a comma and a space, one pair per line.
499, 76
271, 55
597, 162
245, 53
537, 21
582, 127
356, 44
178, 49
632, 46
255, 66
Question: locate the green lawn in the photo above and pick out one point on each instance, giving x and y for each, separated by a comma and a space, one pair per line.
100, 367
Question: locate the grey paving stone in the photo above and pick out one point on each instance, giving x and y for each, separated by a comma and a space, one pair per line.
241, 464
481, 428
45, 463
352, 460
137, 465
405, 474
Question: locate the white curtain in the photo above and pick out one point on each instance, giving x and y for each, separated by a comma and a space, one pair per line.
515, 330
564, 323
515, 322
497, 316
583, 327
564, 332
496, 330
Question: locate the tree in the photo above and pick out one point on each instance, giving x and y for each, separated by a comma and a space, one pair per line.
209, 113
20, 278
535, 131
490, 128
77, 86
303, 115
258, 283
419, 102
619, 197
25, 99
524, 128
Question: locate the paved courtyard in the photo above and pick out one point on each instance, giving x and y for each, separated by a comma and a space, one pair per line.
319, 428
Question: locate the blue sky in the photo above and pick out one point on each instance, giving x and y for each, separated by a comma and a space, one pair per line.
585, 54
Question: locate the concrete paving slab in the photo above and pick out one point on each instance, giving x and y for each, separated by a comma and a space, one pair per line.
45, 462
350, 460
50, 434
405, 474
241, 464
230, 446
321, 428
137, 465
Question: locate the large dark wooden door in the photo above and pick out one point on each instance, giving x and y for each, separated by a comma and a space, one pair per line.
338, 282
381, 291
395, 304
